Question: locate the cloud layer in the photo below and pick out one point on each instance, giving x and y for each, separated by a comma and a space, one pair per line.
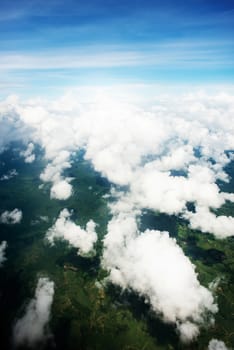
32, 328
11, 217
143, 148
64, 228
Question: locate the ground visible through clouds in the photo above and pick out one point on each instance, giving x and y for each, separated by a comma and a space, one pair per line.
85, 313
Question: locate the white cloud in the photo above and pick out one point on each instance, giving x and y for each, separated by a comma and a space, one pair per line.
161, 191
28, 154
3, 247
152, 264
11, 217
60, 161
61, 190
188, 331
215, 344
12, 127
134, 146
64, 228
222, 226
32, 328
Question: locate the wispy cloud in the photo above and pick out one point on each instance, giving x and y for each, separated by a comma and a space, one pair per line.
184, 54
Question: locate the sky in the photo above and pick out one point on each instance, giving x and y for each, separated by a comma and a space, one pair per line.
48, 46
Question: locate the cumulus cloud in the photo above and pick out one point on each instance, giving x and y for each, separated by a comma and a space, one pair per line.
222, 226
139, 147
164, 192
12, 127
32, 328
124, 142
61, 190
215, 344
167, 154
64, 228
3, 247
28, 154
11, 217
152, 264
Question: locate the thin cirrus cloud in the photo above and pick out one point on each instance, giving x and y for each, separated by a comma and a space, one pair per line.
126, 41
180, 54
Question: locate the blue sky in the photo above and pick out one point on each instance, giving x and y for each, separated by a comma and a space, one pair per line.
50, 45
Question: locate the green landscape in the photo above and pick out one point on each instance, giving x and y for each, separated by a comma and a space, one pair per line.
88, 313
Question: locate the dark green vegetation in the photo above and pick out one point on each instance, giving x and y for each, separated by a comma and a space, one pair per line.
85, 314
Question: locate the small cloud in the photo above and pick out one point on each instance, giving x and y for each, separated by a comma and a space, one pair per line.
40, 219
3, 247
215, 344
9, 175
61, 190
28, 154
44, 218
64, 228
11, 217
32, 329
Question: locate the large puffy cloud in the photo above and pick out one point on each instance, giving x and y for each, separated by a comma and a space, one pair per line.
163, 192
32, 328
166, 193
215, 344
152, 264
11, 217
64, 228
3, 247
